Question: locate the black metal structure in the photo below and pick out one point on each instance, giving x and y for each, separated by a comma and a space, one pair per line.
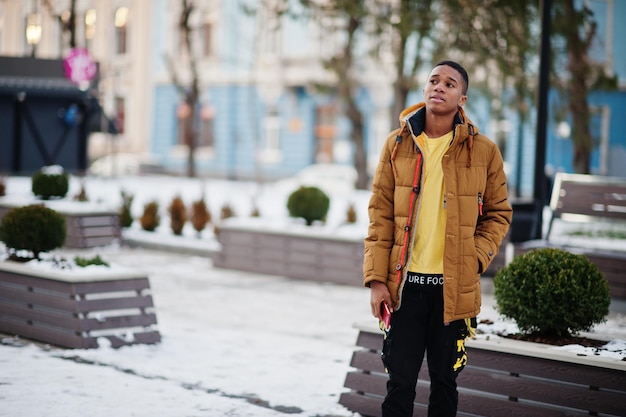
45, 119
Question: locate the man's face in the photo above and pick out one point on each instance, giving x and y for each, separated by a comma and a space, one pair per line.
443, 92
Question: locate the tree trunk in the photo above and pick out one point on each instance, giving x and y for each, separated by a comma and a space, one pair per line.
577, 87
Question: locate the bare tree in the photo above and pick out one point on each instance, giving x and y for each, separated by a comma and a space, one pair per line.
578, 28
352, 14
406, 20
190, 93
67, 24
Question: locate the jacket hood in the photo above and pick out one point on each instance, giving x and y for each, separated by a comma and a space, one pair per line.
413, 118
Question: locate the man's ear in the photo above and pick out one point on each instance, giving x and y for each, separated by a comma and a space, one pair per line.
462, 100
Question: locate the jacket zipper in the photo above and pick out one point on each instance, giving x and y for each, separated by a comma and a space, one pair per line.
407, 229
480, 204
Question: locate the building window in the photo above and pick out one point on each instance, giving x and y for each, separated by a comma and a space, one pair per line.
121, 30
90, 27
325, 132
206, 32
120, 113
207, 115
183, 113
270, 149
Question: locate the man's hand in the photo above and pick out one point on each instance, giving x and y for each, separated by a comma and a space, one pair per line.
379, 293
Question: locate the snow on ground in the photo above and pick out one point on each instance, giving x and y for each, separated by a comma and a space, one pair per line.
234, 343
231, 340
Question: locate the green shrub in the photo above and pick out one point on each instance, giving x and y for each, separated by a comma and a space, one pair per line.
310, 203
34, 228
150, 219
83, 262
50, 182
126, 217
552, 292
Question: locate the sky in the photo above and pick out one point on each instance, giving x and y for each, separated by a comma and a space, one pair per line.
233, 343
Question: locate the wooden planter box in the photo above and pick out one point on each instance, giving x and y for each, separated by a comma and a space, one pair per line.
503, 378
74, 311
86, 228
295, 254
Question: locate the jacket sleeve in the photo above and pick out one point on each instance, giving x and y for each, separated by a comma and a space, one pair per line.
380, 237
493, 225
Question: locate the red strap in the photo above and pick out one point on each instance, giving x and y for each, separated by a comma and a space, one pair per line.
407, 228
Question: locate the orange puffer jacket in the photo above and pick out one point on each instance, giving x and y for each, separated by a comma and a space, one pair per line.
478, 211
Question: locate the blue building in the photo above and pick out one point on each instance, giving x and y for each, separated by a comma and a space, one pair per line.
261, 115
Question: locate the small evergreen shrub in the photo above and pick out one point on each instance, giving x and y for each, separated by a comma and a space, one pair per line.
351, 214
84, 262
178, 215
200, 215
150, 219
227, 212
126, 217
82, 194
50, 181
552, 292
310, 203
33, 228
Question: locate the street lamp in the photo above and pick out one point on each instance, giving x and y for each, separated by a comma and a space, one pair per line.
33, 31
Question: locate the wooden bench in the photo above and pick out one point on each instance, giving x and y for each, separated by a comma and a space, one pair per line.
588, 199
502, 378
76, 311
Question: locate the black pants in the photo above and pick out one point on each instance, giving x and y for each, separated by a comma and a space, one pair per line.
418, 328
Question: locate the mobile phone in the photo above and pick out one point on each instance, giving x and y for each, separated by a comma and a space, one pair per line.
385, 323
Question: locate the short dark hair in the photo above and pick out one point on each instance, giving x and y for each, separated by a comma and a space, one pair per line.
459, 68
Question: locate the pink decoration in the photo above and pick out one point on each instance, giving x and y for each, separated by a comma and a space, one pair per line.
79, 67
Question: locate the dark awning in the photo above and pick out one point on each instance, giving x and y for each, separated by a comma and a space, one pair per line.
40, 77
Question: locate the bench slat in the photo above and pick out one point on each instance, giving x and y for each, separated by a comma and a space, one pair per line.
25, 315
104, 304
54, 301
116, 322
48, 335
371, 389
134, 284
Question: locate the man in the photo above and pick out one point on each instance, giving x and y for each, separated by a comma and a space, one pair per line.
438, 213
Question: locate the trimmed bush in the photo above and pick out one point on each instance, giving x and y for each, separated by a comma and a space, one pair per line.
226, 212
82, 194
126, 217
50, 182
178, 215
150, 219
351, 214
310, 203
200, 215
33, 228
552, 292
